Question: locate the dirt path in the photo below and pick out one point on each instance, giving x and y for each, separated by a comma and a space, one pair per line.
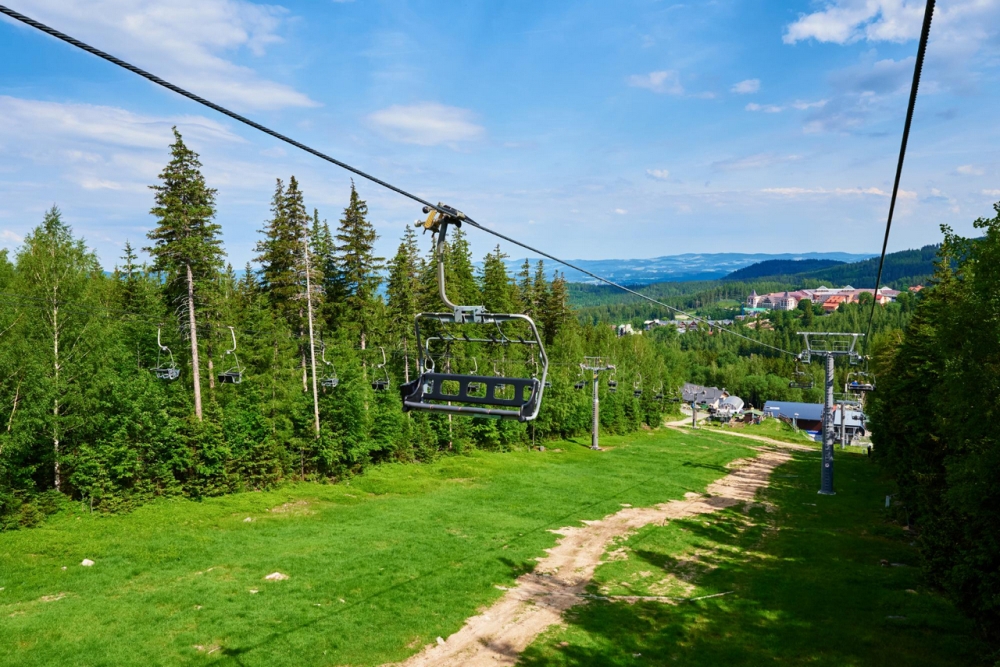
759, 438
499, 635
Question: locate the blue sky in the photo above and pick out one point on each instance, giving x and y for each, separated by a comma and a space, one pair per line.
632, 128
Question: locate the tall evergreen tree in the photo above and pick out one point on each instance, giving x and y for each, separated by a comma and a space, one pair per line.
187, 245
359, 270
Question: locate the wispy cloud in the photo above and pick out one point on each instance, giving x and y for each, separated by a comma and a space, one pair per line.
746, 87
621, 211
970, 170
845, 21
663, 81
190, 42
756, 161
766, 108
658, 174
838, 192
427, 124
992, 193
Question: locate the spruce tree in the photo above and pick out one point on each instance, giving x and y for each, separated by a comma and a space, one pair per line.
359, 270
186, 242
402, 293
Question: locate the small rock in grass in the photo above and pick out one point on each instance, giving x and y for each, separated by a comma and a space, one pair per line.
64, 567
626, 505
897, 617
564, 644
440, 641
636, 655
908, 590
247, 520
276, 576
884, 563
253, 591
86, 562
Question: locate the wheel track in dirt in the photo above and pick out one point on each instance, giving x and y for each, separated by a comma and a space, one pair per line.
500, 634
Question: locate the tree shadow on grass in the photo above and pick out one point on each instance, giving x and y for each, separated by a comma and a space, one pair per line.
812, 593
706, 466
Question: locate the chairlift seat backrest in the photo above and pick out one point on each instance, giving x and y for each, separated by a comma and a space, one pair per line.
169, 373
579, 385
637, 393
380, 385
329, 382
231, 377
427, 392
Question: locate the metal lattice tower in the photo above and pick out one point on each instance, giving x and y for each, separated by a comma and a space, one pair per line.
828, 346
596, 365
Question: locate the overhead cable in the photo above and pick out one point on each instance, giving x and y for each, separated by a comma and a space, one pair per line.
323, 156
917, 67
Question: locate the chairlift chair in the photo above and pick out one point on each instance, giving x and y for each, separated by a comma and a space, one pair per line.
170, 372
659, 393
235, 374
637, 387
498, 396
612, 382
329, 378
475, 387
861, 383
382, 383
800, 379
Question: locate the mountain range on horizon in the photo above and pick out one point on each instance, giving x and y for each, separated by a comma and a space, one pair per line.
676, 268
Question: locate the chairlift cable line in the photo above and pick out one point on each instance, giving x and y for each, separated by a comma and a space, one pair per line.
323, 156
917, 67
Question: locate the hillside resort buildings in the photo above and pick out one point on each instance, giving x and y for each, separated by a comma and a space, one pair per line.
828, 297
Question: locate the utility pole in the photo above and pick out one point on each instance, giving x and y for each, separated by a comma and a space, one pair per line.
595, 365
828, 346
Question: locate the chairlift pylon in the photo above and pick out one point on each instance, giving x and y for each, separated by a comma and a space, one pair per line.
233, 375
170, 372
329, 378
450, 393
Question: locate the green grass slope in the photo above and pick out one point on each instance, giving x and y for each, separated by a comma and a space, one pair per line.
377, 568
803, 584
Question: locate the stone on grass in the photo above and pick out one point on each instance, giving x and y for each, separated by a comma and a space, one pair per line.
247, 520
276, 576
440, 641
86, 562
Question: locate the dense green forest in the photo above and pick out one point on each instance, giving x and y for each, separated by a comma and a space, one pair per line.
85, 417
933, 420
781, 267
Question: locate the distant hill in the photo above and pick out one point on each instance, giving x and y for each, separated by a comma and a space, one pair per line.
676, 268
781, 267
910, 266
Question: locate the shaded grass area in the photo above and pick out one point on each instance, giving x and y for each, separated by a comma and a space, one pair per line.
377, 567
803, 584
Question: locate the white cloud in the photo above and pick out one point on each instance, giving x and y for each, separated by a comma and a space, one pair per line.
843, 21
427, 124
658, 174
970, 170
802, 106
663, 81
992, 193
746, 87
188, 42
621, 211
839, 192
7, 236
766, 108
958, 23
756, 161
101, 125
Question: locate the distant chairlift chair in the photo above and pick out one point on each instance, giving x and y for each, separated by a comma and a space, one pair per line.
235, 374
800, 379
170, 372
637, 387
382, 383
500, 397
329, 379
612, 383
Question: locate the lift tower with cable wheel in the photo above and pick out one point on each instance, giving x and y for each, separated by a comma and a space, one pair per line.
828, 346
596, 365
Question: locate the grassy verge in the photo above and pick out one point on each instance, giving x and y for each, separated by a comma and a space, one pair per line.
769, 428
377, 568
803, 581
